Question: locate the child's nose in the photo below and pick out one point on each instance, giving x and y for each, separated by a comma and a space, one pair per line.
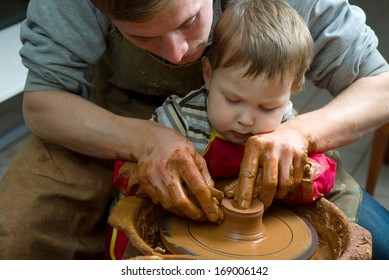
246, 118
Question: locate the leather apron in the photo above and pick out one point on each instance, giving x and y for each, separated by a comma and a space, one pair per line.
133, 82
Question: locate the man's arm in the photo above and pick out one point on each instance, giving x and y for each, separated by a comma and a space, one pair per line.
165, 158
360, 109
78, 124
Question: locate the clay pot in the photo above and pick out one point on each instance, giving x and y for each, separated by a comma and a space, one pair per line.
339, 238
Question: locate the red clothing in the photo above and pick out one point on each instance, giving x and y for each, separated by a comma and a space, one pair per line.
223, 157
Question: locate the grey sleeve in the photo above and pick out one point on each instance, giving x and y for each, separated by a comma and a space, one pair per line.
188, 116
62, 42
171, 115
345, 47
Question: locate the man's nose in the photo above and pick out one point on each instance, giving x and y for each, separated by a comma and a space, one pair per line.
174, 47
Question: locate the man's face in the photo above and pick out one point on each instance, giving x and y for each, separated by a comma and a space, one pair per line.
179, 34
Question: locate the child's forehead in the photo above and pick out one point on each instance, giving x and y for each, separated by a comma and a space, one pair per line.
241, 73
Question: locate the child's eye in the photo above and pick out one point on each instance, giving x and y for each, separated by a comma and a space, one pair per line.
266, 109
231, 100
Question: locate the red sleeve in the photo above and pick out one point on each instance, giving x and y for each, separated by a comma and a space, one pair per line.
323, 170
122, 182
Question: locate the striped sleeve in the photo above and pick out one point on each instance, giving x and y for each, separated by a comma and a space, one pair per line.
188, 116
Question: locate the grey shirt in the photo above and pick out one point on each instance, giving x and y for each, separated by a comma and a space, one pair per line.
64, 40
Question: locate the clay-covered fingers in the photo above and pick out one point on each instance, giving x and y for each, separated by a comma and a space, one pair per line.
180, 202
248, 173
217, 194
269, 181
194, 173
285, 176
231, 189
291, 173
155, 191
300, 164
172, 173
169, 192
258, 183
202, 166
269, 170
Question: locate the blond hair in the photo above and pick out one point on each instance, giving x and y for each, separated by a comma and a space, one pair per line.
268, 37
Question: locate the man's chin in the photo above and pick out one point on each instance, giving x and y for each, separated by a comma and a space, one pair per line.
190, 59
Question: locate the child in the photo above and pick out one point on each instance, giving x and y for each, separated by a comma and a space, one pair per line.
259, 55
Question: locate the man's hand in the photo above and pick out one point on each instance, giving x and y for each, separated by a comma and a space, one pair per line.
172, 173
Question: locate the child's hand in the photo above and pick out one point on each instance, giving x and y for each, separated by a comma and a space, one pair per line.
270, 170
317, 181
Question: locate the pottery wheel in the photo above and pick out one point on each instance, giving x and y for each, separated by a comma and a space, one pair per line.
244, 234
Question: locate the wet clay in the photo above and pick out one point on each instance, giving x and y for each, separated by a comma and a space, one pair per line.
244, 234
142, 221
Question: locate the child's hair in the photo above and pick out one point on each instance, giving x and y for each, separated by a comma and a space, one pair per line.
268, 37
131, 10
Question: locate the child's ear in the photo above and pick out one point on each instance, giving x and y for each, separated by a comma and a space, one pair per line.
207, 71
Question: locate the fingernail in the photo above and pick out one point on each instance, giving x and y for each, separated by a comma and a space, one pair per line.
245, 204
213, 217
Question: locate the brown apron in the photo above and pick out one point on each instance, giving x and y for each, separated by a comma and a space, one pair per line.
129, 79
53, 204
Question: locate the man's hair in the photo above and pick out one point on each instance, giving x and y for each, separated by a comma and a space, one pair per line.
131, 10
268, 37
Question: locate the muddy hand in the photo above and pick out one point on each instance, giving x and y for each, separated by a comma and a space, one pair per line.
231, 189
173, 174
269, 170
306, 185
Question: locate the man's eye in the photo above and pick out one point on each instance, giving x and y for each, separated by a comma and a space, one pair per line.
141, 39
191, 23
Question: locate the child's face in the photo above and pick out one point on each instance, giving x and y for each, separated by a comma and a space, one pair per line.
241, 107
179, 34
